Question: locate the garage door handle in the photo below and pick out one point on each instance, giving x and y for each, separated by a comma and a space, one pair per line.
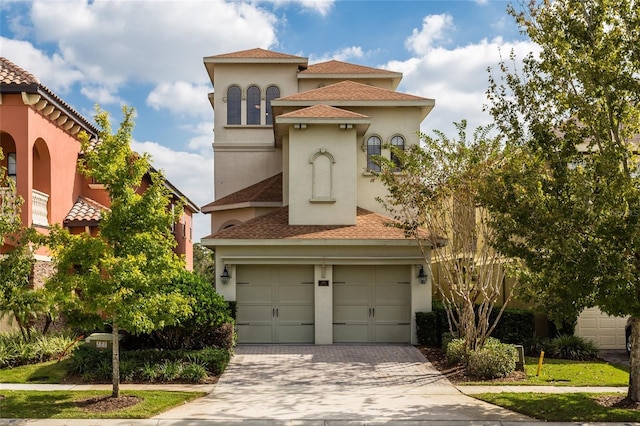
373, 312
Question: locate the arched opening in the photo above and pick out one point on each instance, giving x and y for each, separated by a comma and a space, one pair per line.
41, 184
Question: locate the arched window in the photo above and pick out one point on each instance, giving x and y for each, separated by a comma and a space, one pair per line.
253, 105
12, 170
374, 147
397, 142
272, 93
234, 107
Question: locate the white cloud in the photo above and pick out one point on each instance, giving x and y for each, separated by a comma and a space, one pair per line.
54, 72
346, 54
457, 79
100, 95
322, 7
112, 41
191, 173
181, 98
434, 28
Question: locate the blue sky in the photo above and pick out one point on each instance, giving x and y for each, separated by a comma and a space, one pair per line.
148, 54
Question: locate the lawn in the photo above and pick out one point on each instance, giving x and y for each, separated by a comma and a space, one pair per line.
68, 405
568, 407
560, 372
46, 372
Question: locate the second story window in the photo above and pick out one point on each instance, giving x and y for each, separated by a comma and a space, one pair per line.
253, 105
374, 147
12, 166
234, 107
397, 142
272, 93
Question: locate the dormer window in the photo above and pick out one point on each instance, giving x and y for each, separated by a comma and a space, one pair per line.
374, 147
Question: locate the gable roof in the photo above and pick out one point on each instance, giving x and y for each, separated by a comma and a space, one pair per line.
266, 193
275, 226
252, 56
323, 111
350, 91
343, 70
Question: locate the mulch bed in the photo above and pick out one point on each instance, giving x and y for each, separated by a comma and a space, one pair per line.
104, 404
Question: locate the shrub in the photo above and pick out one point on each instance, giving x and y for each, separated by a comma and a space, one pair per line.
15, 351
515, 326
206, 327
427, 328
194, 373
575, 348
494, 360
456, 351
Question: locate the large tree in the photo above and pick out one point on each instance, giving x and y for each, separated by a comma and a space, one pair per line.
567, 202
124, 274
433, 193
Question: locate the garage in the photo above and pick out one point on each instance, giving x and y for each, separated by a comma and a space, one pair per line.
275, 304
605, 331
371, 304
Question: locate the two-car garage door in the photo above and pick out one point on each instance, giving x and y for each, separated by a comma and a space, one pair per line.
275, 304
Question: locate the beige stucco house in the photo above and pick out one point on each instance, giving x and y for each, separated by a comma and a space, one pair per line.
301, 243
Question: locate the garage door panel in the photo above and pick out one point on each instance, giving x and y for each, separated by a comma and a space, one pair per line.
393, 314
351, 274
350, 313
248, 293
300, 293
392, 333
391, 274
605, 331
255, 314
389, 294
296, 333
351, 333
351, 294
289, 274
293, 313
255, 275
255, 333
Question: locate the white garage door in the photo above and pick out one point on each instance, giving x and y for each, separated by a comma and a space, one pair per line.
275, 304
371, 304
607, 332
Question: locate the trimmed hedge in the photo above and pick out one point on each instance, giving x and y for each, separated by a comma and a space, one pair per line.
516, 326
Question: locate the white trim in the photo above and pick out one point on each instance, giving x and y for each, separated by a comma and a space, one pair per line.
321, 260
210, 242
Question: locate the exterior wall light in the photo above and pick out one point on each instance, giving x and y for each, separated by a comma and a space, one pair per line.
422, 275
224, 277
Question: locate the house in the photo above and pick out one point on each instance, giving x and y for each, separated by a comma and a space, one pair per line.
301, 244
39, 138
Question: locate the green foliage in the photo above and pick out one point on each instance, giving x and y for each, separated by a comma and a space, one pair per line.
150, 365
574, 348
428, 329
15, 350
10, 204
493, 360
209, 325
204, 263
457, 352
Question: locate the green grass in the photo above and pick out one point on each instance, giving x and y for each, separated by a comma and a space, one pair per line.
560, 372
46, 372
568, 407
62, 404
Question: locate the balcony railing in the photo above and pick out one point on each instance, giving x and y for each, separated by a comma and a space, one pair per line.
39, 208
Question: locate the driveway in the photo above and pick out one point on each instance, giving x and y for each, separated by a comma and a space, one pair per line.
339, 382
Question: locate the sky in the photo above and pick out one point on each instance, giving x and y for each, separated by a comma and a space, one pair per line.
148, 54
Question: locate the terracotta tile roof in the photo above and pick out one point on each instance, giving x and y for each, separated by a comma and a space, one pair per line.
84, 210
11, 73
338, 67
256, 54
275, 226
266, 191
350, 91
322, 111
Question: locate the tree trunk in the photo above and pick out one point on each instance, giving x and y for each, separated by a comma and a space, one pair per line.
115, 361
634, 372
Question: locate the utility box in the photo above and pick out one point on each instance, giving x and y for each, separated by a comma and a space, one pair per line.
101, 341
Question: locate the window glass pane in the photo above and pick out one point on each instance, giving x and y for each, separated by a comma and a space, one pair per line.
12, 169
234, 107
374, 147
398, 142
253, 105
272, 93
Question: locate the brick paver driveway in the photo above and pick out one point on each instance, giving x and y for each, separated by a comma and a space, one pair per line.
336, 382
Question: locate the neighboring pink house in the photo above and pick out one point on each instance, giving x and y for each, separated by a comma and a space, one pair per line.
39, 139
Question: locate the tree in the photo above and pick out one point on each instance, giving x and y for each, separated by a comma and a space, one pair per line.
123, 274
204, 263
435, 200
567, 200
